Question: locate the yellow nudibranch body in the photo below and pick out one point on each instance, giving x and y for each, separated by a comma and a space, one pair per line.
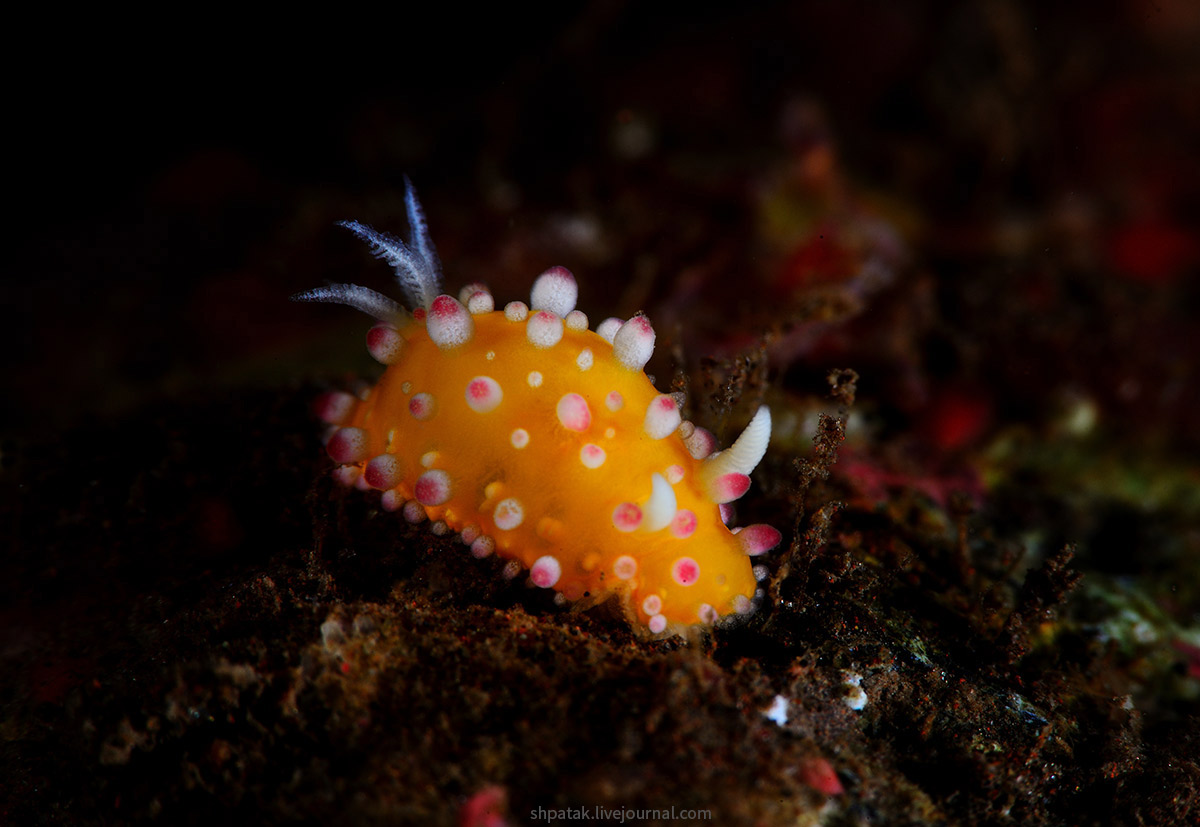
543, 442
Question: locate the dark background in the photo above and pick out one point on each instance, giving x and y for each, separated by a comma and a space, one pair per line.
168, 180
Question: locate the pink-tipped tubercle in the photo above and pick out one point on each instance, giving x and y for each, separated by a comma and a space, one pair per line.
758, 539
554, 291
448, 323
633, 343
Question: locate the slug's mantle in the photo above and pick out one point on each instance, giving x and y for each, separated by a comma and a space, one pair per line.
542, 441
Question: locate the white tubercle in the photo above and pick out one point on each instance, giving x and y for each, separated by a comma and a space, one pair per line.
480, 302
413, 511
700, 442
660, 508
758, 539
662, 417
545, 571
385, 344
469, 290
335, 407
554, 291
448, 323
608, 328
348, 445
633, 344
482, 547
544, 329
384, 472
744, 454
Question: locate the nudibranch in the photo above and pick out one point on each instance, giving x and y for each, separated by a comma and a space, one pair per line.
544, 442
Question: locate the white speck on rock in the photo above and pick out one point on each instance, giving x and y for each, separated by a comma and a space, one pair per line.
777, 711
856, 696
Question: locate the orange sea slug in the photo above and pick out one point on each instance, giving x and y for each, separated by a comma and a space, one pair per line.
542, 441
